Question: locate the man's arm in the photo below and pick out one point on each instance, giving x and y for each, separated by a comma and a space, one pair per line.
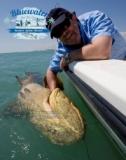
98, 49
51, 78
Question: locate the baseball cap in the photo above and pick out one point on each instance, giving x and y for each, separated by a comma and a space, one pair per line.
56, 20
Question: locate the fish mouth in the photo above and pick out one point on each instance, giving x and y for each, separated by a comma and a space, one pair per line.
53, 96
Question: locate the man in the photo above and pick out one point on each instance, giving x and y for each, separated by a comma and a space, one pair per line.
91, 36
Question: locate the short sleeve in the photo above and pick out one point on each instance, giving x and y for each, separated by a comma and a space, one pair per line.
55, 60
101, 25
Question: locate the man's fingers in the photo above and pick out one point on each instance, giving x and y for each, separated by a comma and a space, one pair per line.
62, 63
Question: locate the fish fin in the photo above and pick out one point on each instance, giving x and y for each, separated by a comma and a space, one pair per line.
28, 73
19, 80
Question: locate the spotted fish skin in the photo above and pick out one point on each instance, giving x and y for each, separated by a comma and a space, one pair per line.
51, 112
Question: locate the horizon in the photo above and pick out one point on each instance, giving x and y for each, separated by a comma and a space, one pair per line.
48, 49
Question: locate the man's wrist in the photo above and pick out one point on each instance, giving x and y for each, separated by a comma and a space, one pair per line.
68, 59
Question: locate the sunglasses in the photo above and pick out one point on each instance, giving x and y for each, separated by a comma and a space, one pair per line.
58, 30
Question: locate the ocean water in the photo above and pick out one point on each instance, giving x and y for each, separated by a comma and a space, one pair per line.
20, 140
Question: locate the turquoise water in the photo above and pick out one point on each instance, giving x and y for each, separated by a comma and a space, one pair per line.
19, 139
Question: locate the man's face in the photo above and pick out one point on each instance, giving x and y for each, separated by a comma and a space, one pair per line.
71, 33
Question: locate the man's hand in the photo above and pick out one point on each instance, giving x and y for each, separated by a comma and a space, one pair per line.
65, 61
51, 81
63, 64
